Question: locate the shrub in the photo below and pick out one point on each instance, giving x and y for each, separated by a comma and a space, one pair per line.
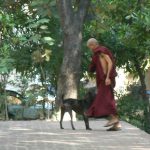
131, 107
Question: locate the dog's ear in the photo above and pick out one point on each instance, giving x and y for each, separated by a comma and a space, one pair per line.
63, 96
88, 95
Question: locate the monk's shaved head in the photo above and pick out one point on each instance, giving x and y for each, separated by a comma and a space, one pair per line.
92, 43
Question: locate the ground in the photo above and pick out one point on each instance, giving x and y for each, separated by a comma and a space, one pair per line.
43, 135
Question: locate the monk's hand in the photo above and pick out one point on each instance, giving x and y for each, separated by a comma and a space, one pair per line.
107, 81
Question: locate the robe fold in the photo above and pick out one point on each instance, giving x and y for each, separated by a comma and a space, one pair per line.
104, 103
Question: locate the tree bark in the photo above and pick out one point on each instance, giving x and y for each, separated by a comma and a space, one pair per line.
72, 23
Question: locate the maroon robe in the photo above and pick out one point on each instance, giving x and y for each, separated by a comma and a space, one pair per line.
104, 103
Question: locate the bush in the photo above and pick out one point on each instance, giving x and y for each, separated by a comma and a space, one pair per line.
131, 107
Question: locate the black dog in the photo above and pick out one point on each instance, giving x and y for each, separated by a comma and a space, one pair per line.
79, 106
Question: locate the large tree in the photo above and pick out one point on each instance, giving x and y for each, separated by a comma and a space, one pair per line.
72, 14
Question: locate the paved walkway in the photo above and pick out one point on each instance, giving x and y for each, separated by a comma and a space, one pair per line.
42, 135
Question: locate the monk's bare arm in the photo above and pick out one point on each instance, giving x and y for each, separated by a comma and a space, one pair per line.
109, 64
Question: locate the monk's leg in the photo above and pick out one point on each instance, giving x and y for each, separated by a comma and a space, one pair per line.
113, 120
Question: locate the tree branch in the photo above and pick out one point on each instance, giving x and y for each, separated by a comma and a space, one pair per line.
69, 17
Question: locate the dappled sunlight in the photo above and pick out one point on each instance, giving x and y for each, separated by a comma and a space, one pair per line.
79, 133
140, 148
19, 129
3, 133
54, 142
42, 133
30, 135
131, 128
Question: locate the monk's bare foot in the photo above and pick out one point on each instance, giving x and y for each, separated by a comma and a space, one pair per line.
116, 127
112, 121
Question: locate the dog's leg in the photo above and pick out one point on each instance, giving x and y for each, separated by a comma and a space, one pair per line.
86, 120
70, 112
62, 116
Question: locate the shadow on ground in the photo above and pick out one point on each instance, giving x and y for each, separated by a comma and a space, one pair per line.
42, 135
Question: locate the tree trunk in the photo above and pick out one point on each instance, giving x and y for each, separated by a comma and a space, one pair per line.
142, 81
43, 80
144, 96
70, 70
72, 23
5, 97
6, 107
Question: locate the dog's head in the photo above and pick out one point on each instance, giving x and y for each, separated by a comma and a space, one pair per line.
90, 95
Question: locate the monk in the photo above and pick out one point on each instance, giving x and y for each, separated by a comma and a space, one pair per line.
104, 104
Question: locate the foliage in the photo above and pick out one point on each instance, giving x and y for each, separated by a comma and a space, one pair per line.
131, 107
131, 110
124, 27
33, 30
6, 62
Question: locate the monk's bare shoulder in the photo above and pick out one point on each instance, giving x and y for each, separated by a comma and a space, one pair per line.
105, 57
